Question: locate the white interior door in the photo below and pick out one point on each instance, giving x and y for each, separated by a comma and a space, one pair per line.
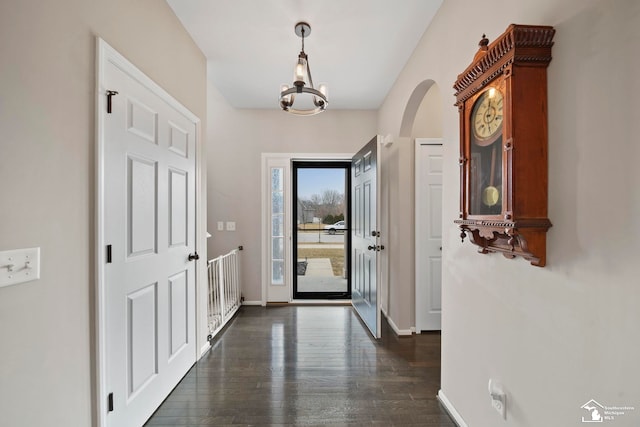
149, 227
428, 190
365, 235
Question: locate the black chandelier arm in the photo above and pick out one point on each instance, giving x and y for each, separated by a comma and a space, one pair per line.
309, 74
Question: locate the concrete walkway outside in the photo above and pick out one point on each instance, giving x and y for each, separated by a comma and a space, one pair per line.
319, 267
319, 277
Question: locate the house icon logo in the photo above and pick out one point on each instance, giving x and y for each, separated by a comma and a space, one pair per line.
595, 412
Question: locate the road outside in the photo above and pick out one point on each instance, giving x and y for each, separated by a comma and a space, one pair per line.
320, 237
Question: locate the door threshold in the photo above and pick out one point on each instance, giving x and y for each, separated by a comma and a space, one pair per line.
321, 302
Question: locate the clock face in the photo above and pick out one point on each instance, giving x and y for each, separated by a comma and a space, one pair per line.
487, 116
486, 123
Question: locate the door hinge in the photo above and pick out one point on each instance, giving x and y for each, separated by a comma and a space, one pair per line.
110, 402
110, 93
108, 254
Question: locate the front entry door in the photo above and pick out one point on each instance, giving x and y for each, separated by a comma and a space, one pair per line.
149, 227
365, 235
321, 240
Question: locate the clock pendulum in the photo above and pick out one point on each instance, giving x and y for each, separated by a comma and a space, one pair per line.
491, 195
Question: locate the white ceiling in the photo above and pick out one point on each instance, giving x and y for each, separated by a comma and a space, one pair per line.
356, 47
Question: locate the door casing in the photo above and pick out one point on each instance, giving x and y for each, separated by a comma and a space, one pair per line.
283, 160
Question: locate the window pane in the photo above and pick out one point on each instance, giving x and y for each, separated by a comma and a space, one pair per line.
278, 248
276, 202
278, 225
277, 274
276, 179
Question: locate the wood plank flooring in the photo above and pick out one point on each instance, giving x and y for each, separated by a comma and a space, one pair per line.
309, 366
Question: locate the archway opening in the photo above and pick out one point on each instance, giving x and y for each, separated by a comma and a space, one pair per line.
422, 122
422, 116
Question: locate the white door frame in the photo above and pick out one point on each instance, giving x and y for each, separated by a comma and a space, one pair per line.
283, 160
106, 54
419, 226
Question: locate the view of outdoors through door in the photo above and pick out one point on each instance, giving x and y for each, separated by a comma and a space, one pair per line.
322, 238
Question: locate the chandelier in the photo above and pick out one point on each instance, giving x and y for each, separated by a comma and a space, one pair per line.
315, 100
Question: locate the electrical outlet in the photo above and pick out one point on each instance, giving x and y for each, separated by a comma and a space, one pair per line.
499, 403
231, 226
498, 398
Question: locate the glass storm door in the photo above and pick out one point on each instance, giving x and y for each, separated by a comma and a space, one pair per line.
321, 238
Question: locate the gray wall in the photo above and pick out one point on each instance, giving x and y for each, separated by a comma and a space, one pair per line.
560, 335
47, 137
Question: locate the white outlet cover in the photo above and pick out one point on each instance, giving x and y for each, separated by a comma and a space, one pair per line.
498, 398
19, 266
231, 226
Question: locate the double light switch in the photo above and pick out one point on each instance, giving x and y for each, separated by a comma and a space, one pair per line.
19, 266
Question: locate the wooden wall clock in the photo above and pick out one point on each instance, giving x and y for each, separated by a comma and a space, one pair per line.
502, 100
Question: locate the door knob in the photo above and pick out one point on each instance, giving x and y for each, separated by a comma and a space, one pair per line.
194, 256
371, 248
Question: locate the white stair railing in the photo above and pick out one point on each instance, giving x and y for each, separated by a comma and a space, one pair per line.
224, 290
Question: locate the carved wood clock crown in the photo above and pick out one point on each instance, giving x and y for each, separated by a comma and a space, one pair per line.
502, 101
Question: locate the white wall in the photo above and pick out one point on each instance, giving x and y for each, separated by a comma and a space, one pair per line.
560, 335
47, 97
428, 118
235, 143
424, 120
397, 232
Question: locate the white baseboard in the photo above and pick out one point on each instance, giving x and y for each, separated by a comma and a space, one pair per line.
204, 349
457, 418
398, 331
251, 302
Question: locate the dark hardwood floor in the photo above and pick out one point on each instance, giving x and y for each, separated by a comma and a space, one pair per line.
303, 366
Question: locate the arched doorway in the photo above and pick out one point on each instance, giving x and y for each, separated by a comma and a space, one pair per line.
422, 122
422, 116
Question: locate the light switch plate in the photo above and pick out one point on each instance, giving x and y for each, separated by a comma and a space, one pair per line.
19, 266
220, 226
231, 226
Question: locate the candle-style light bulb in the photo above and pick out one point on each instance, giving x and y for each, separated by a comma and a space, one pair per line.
323, 89
286, 98
300, 72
